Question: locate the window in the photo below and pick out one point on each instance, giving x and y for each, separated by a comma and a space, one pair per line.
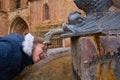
0, 5
46, 12
17, 4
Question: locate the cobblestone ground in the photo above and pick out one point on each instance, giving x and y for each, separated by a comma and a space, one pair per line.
56, 66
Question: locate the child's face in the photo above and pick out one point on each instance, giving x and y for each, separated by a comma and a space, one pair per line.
38, 52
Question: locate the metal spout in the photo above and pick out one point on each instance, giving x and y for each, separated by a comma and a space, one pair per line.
49, 35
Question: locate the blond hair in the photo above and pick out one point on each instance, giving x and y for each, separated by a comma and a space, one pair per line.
38, 40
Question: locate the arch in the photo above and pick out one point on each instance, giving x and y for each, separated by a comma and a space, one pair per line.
46, 14
19, 26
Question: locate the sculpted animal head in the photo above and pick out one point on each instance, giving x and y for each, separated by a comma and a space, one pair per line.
75, 18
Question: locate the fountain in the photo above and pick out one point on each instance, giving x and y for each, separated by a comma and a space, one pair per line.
95, 39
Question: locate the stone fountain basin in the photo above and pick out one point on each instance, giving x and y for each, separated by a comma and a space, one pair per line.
56, 66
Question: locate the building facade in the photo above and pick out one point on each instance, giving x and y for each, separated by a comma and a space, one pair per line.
35, 16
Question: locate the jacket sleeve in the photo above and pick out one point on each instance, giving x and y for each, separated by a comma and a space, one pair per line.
26, 60
12, 59
7, 62
5, 54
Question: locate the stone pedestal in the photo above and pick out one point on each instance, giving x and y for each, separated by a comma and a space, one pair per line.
96, 57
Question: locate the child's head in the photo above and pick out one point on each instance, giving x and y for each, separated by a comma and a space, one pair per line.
39, 49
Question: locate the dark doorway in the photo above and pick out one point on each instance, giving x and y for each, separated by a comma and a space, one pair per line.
19, 26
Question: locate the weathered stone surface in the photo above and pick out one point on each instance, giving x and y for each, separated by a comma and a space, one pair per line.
3, 23
96, 58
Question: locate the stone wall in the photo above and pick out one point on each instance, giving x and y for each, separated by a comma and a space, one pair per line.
3, 23
58, 11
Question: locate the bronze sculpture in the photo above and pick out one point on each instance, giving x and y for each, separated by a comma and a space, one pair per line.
99, 19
